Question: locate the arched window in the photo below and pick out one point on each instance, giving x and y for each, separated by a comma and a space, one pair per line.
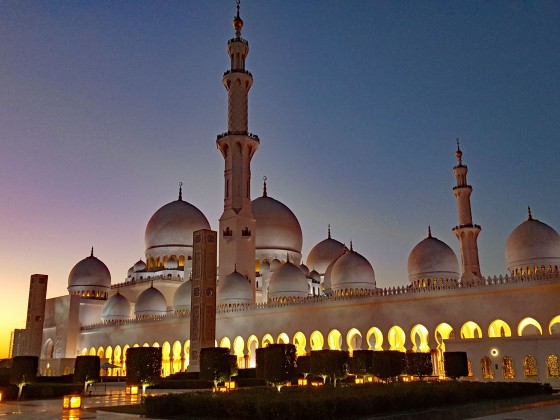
487, 371
530, 367
552, 366
507, 368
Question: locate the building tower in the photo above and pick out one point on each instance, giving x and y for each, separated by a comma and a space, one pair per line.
466, 231
237, 224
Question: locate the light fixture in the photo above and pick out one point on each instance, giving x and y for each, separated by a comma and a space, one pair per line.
71, 402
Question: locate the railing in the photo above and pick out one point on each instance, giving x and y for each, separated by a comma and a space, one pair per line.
470, 225
238, 133
237, 71
238, 39
148, 279
377, 293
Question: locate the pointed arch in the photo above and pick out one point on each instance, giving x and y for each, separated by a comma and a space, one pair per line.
470, 329
499, 328
300, 342
419, 337
267, 339
283, 338
316, 340
252, 346
529, 326
176, 357
334, 339
239, 351
374, 338
354, 340
554, 325
224, 342
396, 338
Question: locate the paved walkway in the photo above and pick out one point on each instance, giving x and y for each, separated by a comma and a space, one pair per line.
549, 410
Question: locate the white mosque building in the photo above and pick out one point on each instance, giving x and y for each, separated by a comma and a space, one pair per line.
509, 325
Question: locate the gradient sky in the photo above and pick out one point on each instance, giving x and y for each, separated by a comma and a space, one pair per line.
105, 106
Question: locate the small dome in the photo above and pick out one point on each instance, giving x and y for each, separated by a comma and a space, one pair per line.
171, 264
275, 264
314, 275
174, 224
304, 269
139, 266
182, 297
432, 258
235, 289
150, 302
117, 308
532, 243
278, 229
352, 271
90, 274
288, 281
324, 253
130, 271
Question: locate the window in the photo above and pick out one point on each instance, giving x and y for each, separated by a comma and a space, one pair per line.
552, 366
507, 368
530, 367
487, 371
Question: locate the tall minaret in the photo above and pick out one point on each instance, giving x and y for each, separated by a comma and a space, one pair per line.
466, 232
237, 224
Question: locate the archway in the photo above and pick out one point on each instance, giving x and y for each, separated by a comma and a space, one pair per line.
334, 339
471, 329
165, 358
224, 342
529, 326
123, 364
554, 325
300, 343
176, 363
396, 338
283, 339
239, 351
443, 332
48, 349
316, 340
267, 339
117, 354
109, 357
354, 340
374, 338
419, 337
252, 346
186, 353
499, 328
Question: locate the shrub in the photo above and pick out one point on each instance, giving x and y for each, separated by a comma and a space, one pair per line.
361, 362
86, 370
419, 364
329, 363
303, 365
455, 364
217, 365
388, 364
23, 371
143, 366
279, 364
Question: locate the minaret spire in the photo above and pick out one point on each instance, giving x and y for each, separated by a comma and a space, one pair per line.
329, 232
466, 231
264, 187
530, 215
180, 191
429, 231
91, 252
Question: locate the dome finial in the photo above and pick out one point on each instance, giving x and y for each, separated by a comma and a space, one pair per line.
180, 191
329, 232
429, 231
152, 286
235, 268
237, 22
91, 252
459, 154
529, 213
287, 257
264, 187
351, 247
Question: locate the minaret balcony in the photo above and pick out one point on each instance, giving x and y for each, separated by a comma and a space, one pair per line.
238, 133
238, 39
467, 226
237, 71
461, 186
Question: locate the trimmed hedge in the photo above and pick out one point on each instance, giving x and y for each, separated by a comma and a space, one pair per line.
329, 403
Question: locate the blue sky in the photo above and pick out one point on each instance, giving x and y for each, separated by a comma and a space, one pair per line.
105, 106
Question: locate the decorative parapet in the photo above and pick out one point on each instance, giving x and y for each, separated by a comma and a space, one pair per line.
148, 279
490, 281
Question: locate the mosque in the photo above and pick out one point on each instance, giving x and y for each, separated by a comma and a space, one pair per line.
509, 325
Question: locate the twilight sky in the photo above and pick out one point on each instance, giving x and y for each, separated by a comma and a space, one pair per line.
105, 106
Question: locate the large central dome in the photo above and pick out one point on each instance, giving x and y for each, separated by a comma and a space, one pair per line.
169, 232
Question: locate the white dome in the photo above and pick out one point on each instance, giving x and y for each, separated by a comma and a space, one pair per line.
150, 302
278, 229
304, 269
89, 275
171, 264
265, 267
139, 266
173, 225
352, 271
314, 275
432, 258
324, 253
235, 289
275, 264
130, 271
532, 243
288, 281
117, 308
182, 297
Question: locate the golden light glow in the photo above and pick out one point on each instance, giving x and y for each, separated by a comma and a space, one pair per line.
494, 352
131, 390
499, 328
316, 383
0, 397
302, 382
71, 401
359, 380
528, 322
374, 338
370, 378
230, 385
